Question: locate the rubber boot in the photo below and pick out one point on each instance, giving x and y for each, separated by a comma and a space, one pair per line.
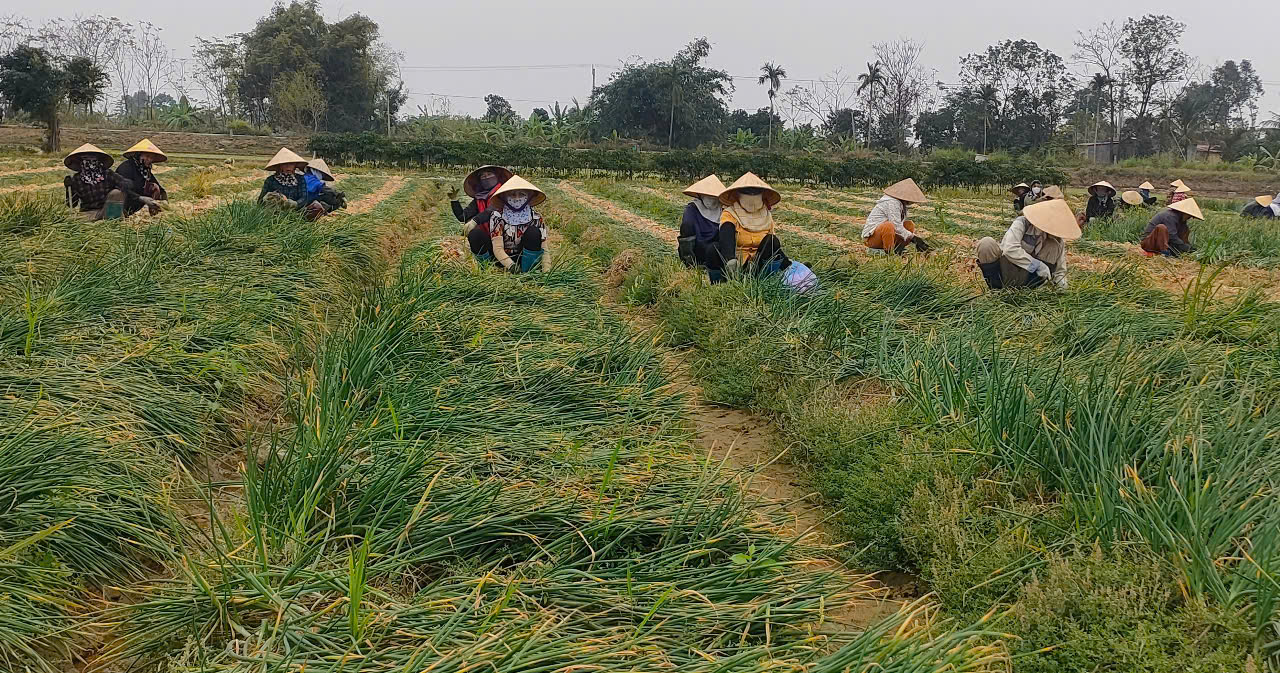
921, 246
114, 207
716, 276
529, 259
991, 274
900, 248
685, 250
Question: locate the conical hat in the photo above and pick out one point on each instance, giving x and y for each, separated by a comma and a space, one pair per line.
1178, 183
1146, 185
1132, 198
471, 184
284, 156
750, 180
72, 160
1020, 185
517, 183
1182, 189
708, 186
322, 168
906, 190
1188, 206
1054, 192
145, 145
1101, 183
1054, 217
1265, 201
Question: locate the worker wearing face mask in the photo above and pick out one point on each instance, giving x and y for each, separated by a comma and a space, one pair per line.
480, 184
1035, 195
700, 223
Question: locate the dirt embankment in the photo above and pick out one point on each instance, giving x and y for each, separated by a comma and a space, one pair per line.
116, 140
1217, 184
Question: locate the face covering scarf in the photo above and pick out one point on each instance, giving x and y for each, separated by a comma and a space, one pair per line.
515, 209
751, 212
485, 186
710, 207
1035, 190
91, 171
143, 169
287, 178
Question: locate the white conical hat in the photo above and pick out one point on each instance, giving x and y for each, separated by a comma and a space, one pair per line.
1188, 206
284, 156
1101, 183
1131, 197
906, 190
321, 167
1264, 201
1053, 216
1146, 185
517, 183
708, 186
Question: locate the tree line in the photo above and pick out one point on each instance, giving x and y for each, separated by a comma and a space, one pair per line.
293, 70
1127, 82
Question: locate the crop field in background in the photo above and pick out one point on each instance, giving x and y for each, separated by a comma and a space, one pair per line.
233, 440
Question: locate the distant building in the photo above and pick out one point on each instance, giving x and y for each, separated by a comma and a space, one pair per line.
1103, 152
1205, 152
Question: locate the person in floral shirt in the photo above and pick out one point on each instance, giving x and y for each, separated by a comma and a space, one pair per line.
516, 235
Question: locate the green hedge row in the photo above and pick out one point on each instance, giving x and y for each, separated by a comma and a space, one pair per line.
371, 148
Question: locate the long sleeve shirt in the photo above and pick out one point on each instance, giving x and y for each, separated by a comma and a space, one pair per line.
471, 212
1099, 208
296, 192
137, 186
88, 197
1023, 245
887, 209
1179, 232
692, 220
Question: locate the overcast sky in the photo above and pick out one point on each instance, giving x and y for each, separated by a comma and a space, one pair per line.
808, 38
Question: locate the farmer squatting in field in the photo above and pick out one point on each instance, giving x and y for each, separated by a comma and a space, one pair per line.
515, 235
318, 176
1167, 233
887, 228
1101, 202
286, 187
1033, 250
107, 194
93, 182
700, 222
479, 184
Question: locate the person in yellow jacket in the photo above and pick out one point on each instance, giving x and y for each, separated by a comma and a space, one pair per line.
747, 242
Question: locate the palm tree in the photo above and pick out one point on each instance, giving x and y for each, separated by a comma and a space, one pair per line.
989, 96
771, 74
869, 81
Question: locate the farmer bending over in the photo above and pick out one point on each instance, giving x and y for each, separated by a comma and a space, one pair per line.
515, 234
1033, 250
479, 184
1167, 233
286, 187
1262, 206
700, 223
1101, 201
143, 188
888, 228
1178, 190
93, 184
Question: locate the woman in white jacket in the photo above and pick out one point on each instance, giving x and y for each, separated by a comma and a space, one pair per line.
1033, 250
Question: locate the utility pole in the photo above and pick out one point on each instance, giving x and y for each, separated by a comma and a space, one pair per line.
388, 114
593, 78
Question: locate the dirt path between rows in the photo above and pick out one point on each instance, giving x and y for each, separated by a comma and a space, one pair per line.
750, 445
27, 171
37, 186
369, 202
